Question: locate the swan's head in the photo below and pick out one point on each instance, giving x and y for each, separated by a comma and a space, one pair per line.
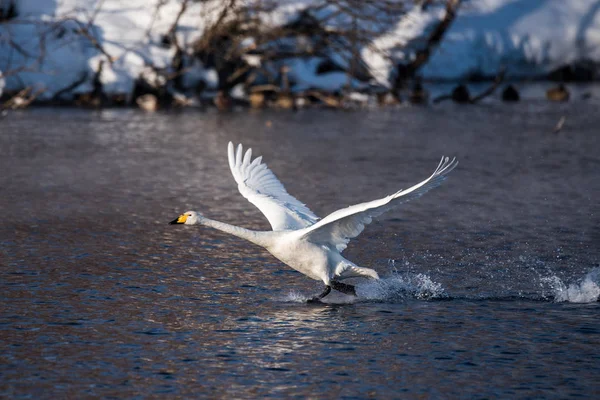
188, 218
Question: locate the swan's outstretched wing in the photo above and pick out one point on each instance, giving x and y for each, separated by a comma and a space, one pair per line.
261, 187
339, 227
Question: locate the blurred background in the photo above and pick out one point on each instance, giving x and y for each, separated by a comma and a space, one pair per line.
294, 53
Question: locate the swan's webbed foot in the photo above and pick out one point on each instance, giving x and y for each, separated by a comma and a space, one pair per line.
339, 286
319, 297
344, 288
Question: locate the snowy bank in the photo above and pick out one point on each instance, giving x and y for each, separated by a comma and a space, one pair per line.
529, 37
66, 49
61, 44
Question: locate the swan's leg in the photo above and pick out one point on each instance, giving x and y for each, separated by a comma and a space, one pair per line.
343, 287
346, 269
319, 297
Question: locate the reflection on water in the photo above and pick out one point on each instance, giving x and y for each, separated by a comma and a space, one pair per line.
489, 281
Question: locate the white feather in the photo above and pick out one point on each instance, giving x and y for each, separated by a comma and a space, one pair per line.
339, 227
261, 187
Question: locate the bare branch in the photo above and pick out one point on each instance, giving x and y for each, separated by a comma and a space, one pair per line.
22, 99
171, 35
85, 32
490, 90
159, 5
79, 81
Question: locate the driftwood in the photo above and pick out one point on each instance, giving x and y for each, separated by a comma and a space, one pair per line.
22, 99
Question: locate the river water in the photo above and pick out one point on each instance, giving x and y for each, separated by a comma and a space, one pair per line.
489, 283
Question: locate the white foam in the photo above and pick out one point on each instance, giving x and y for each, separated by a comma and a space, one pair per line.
391, 289
585, 291
400, 287
293, 297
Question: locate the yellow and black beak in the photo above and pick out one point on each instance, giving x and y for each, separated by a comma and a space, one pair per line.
179, 220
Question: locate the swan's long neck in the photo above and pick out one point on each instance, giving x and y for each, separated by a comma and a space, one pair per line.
256, 237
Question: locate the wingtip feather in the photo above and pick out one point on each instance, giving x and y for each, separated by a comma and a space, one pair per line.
445, 166
231, 156
238, 154
247, 157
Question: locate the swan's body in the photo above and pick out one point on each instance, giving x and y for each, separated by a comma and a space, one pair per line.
299, 239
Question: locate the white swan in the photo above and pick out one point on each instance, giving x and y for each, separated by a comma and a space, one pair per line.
299, 239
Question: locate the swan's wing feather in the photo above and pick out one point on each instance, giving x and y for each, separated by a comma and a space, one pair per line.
339, 227
257, 183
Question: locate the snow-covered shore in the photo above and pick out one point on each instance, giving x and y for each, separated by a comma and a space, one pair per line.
530, 38
57, 47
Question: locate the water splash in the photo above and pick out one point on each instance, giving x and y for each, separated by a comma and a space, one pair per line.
401, 287
293, 297
585, 291
391, 289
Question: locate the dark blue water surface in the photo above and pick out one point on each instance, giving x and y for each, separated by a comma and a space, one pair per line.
490, 282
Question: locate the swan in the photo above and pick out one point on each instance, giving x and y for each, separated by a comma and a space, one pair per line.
299, 239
